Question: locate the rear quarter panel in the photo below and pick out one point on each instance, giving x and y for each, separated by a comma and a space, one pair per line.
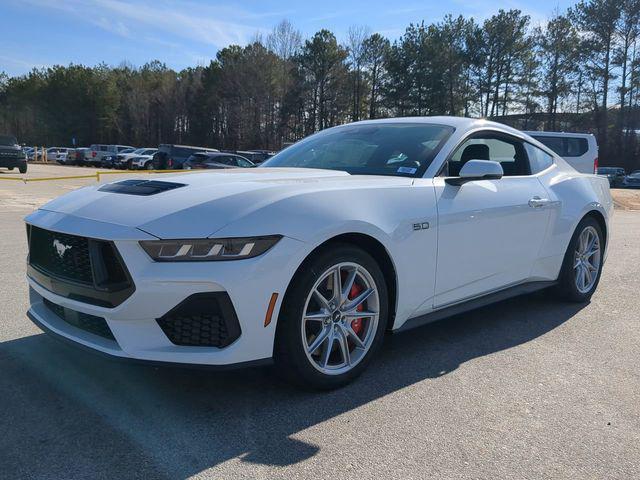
573, 195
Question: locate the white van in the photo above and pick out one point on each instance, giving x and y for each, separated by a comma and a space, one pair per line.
580, 150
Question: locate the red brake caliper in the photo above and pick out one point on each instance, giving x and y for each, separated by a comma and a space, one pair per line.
357, 324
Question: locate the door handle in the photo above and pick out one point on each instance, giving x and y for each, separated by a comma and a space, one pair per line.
537, 202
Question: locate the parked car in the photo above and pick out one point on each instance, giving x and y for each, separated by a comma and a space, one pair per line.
310, 262
11, 154
256, 156
123, 159
57, 154
77, 156
172, 157
580, 150
615, 175
111, 160
632, 180
141, 162
216, 160
100, 151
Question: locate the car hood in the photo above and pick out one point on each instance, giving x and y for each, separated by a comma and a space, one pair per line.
208, 201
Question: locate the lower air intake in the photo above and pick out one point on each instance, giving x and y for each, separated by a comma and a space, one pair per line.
202, 320
83, 321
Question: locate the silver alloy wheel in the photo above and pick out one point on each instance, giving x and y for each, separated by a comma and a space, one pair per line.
586, 259
340, 318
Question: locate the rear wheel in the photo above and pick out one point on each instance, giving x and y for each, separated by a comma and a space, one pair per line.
333, 318
582, 265
9, 168
149, 166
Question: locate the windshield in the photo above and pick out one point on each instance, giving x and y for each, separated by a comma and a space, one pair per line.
8, 140
399, 149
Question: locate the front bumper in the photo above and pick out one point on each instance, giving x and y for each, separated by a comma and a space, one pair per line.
7, 162
160, 287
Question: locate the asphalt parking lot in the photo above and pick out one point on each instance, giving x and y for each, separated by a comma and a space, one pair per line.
528, 388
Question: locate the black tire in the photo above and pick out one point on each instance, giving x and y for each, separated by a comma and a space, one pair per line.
148, 165
289, 353
22, 168
567, 288
9, 168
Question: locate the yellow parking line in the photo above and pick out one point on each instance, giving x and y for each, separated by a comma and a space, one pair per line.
18, 179
71, 177
96, 175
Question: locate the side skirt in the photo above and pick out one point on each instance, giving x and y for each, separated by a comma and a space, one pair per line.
472, 304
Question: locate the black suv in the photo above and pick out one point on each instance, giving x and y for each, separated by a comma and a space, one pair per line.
11, 154
172, 157
615, 175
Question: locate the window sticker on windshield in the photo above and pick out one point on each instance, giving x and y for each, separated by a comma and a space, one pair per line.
407, 170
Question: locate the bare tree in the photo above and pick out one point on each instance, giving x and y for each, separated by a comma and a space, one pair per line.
356, 37
284, 40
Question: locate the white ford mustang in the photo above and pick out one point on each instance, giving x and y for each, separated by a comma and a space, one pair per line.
373, 226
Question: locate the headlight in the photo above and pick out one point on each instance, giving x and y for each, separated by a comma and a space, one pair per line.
208, 250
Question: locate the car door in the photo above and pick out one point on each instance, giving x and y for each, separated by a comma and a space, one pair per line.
489, 232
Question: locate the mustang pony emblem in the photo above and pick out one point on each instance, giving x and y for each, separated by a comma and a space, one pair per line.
61, 248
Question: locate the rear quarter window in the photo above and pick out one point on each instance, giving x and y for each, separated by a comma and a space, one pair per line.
539, 160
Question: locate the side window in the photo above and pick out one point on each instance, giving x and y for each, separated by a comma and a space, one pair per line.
539, 160
565, 146
243, 163
554, 143
508, 152
576, 147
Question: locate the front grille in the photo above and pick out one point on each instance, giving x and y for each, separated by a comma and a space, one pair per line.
202, 320
83, 321
85, 269
61, 255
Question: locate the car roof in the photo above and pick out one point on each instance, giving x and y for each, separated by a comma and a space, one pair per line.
188, 146
216, 154
459, 123
557, 134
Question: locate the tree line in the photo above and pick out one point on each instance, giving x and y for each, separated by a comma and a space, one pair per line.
579, 71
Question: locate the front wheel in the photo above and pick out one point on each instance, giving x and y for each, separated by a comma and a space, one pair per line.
582, 265
333, 318
22, 168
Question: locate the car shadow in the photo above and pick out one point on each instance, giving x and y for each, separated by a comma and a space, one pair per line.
66, 411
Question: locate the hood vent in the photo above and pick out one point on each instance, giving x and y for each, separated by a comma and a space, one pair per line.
140, 187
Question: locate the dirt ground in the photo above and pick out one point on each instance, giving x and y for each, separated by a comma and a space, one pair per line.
626, 199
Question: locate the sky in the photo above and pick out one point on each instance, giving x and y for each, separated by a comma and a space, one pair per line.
41, 33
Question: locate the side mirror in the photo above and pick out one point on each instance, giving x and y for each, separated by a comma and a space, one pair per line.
477, 170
